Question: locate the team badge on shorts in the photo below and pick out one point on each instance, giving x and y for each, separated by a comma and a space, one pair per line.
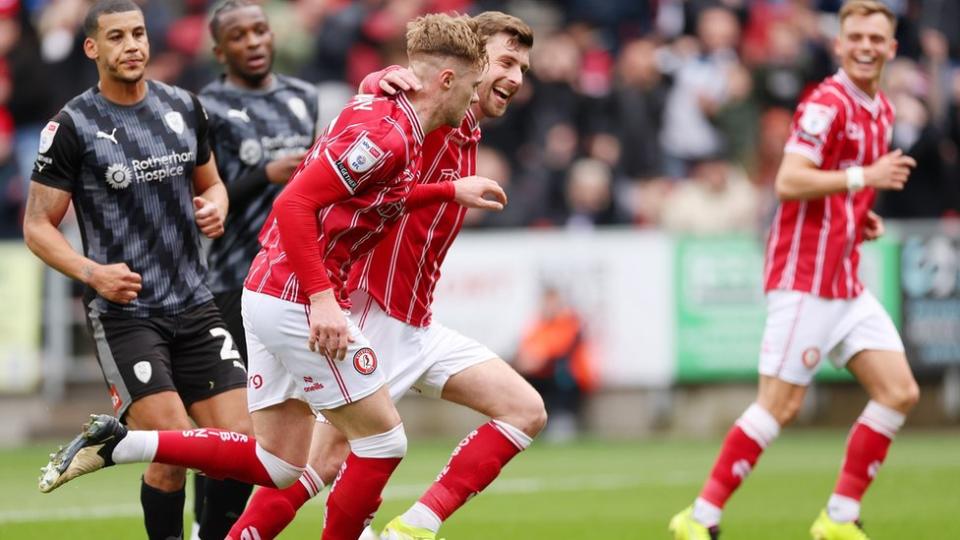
811, 357
365, 361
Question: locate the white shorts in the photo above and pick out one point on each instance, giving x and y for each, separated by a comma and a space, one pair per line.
421, 358
801, 327
280, 366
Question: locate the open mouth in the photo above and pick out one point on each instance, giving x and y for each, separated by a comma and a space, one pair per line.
502, 94
257, 62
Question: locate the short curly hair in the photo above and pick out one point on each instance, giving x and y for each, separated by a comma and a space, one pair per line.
439, 34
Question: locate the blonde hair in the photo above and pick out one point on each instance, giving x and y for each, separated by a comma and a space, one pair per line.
490, 23
439, 34
867, 8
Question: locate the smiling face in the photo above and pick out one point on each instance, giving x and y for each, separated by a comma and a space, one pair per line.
508, 61
245, 44
119, 47
863, 47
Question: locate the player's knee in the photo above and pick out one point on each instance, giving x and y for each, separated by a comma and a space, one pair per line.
281, 473
533, 415
904, 397
390, 444
327, 463
786, 411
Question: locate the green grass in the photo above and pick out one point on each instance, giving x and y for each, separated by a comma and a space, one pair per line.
590, 490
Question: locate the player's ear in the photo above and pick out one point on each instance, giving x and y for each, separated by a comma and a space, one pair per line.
90, 48
218, 54
447, 78
893, 49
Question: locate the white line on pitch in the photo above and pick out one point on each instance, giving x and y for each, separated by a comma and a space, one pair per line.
402, 491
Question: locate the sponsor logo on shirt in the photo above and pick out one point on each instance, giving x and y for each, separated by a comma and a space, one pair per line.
151, 169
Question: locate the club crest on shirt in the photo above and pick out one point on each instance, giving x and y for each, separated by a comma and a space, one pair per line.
449, 175
365, 361
816, 118
174, 121
250, 152
47, 135
297, 107
363, 156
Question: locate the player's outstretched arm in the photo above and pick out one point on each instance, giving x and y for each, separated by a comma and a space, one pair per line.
479, 192
46, 207
800, 179
389, 81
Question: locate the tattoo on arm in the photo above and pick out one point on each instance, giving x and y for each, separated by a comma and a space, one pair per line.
46, 203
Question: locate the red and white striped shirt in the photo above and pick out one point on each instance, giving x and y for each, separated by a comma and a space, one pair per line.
341, 201
402, 271
814, 244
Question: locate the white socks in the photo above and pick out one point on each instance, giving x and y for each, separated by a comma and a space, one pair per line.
843, 509
420, 516
137, 447
706, 513
389, 444
759, 425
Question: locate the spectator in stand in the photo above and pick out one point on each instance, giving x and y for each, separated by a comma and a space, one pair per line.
554, 356
589, 196
635, 110
718, 198
700, 72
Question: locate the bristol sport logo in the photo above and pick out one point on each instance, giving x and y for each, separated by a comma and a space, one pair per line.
118, 176
365, 361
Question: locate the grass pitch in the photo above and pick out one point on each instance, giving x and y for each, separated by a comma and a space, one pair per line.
588, 490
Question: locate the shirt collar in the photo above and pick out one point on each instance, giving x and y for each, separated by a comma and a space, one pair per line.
872, 105
411, 113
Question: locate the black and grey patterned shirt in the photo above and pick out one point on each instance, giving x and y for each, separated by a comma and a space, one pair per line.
249, 129
130, 172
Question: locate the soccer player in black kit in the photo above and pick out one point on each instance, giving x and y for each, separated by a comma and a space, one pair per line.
261, 125
133, 157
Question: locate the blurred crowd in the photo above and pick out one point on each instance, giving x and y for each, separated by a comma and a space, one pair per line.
659, 113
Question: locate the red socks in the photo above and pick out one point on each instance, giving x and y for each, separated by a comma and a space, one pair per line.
753, 431
474, 464
355, 496
867, 447
219, 454
271, 510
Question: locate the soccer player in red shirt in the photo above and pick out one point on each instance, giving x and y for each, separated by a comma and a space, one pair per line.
393, 288
835, 161
358, 179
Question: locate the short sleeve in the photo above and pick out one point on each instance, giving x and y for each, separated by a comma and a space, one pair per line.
815, 126
203, 131
60, 154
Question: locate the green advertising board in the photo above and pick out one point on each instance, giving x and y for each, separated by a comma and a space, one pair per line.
720, 306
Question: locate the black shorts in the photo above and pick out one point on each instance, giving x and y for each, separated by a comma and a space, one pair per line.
229, 304
191, 353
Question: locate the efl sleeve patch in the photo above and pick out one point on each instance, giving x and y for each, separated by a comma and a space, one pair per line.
816, 118
47, 135
358, 159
